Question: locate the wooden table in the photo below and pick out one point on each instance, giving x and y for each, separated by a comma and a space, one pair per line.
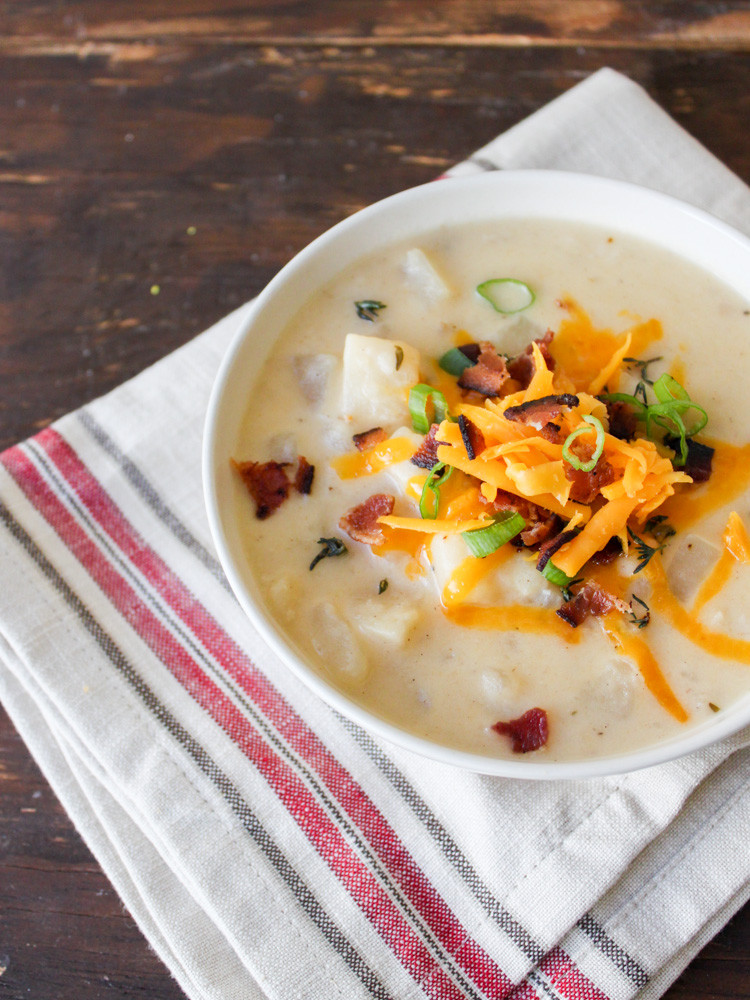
159, 162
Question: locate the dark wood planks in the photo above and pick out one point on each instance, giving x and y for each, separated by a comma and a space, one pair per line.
158, 164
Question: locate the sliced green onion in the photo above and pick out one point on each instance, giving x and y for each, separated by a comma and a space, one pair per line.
506, 295
555, 575
430, 512
667, 388
419, 407
483, 541
571, 459
455, 361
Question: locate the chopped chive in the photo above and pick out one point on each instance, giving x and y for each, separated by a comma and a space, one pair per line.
506, 295
455, 362
484, 541
430, 512
571, 459
422, 399
556, 576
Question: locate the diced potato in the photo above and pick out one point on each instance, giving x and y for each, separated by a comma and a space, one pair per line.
336, 645
378, 375
447, 552
422, 275
691, 559
385, 621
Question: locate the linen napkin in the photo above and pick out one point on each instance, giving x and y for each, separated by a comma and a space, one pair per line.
269, 848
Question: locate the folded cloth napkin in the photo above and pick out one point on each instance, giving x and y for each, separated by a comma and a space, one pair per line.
266, 846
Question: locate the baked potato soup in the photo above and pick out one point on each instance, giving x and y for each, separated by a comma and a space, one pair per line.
498, 489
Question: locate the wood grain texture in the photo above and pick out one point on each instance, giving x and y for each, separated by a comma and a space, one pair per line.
158, 164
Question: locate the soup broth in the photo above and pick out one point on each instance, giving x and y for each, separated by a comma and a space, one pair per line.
413, 629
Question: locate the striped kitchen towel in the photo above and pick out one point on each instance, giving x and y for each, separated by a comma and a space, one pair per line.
268, 847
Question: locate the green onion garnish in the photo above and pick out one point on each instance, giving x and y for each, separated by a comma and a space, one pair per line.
555, 575
483, 541
429, 511
571, 459
419, 404
455, 362
672, 403
506, 295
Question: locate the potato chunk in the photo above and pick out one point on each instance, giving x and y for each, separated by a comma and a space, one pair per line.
377, 377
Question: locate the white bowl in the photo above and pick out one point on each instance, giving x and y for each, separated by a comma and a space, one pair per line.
624, 208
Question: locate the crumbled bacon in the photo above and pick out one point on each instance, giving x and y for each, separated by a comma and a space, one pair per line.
539, 412
539, 532
488, 375
699, 459
547, 549
540, 524
552, 432
588, 485
472, 437
522, 368
267, 483
591, 599
303, 480
528, 732
471, 351
361, 522
609, 553
426, 454
622, 420
368, 439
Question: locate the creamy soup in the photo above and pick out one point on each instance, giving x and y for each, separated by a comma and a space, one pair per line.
446, 641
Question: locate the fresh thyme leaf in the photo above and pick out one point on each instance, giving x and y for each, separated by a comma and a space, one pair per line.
642, 365
382, 586
399, 356
645, 551
368, 309
642, 620
331, 547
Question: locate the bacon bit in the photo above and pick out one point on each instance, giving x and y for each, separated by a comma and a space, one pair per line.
548, 549
267, 482
622, 420
591, 599
539, 412
588, 485
471, 351
552, 432
472, 437
361, 522
304, 479
537, 533
522, 367
529, 732
426, 454
540, 524
368, 439
699, 459
608, 554
488, 375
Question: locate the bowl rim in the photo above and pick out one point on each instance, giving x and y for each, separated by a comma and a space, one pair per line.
696, 738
